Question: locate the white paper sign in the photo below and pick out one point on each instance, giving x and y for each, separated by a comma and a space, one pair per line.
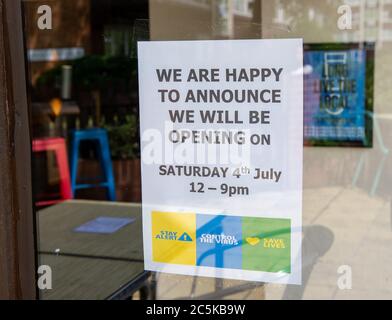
221, 143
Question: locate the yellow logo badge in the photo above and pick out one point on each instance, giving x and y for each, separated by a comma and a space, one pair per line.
174, 237
252, 240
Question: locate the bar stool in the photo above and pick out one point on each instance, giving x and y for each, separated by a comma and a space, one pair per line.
101, 138
58, 146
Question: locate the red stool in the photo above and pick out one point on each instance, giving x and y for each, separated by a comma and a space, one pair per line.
59, 147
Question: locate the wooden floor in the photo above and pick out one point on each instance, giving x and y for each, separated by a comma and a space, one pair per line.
89, 265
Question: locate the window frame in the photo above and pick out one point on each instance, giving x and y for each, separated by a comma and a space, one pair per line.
18, 257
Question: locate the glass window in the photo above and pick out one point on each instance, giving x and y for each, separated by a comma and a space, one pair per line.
84, 99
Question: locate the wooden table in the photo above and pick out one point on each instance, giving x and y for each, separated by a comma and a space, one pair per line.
91, 265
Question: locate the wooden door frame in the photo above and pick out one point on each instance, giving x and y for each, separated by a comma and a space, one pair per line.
17, 223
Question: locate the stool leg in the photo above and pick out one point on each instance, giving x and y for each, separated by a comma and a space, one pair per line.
62, 163
74, 161
106, 164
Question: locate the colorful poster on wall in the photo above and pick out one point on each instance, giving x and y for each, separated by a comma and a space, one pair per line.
221, 148
338, 93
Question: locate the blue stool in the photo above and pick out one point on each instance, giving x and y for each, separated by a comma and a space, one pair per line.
101, 138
